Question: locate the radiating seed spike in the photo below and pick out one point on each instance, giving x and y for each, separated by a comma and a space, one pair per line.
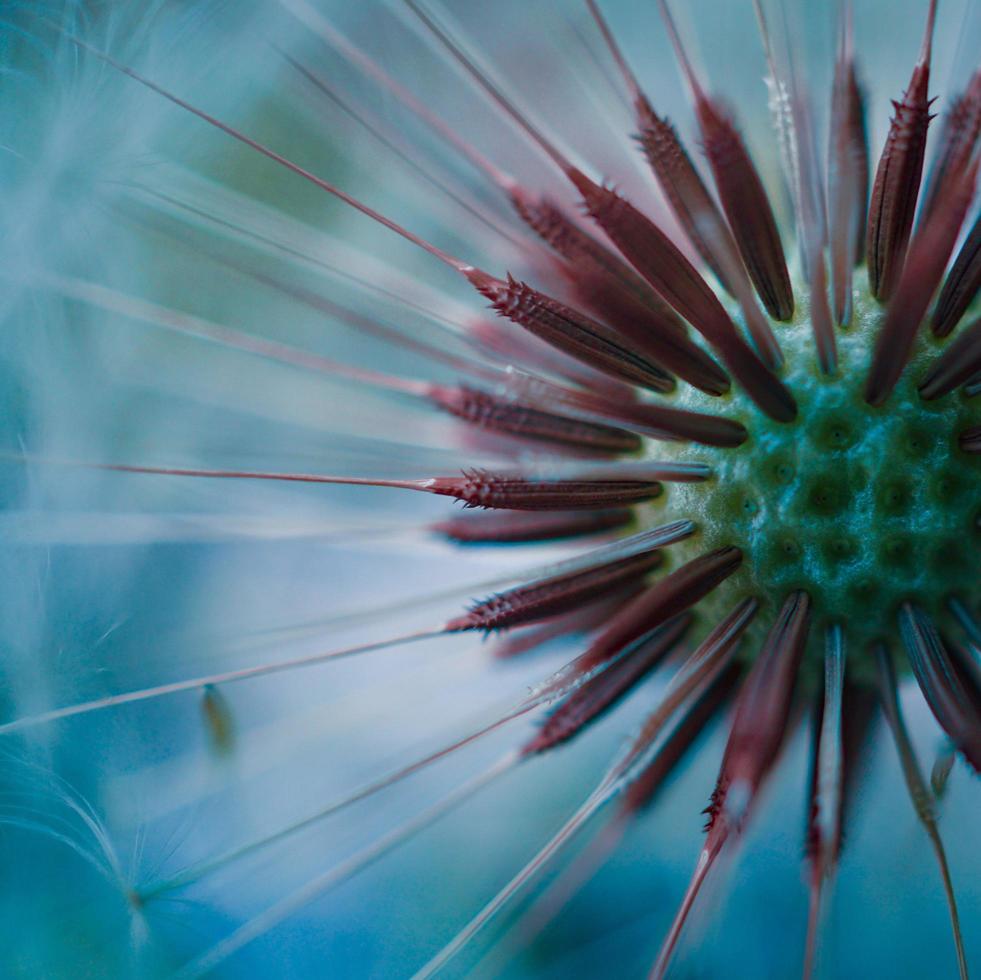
591, 277
547, 219
761, 715
583, 620
667, 598
700, 669
919, 794
643, 790
962, 285
741, 191
475, 488
552, 596
897, 177
748, 209
958, 364
479, 488
482, 409
600, 693
848, 173
656, 421
950, 688
568, 330
924, 269
758, 727
676, 174
661, 263
957, 143
501, 527
826, 791
822, 325
686, 193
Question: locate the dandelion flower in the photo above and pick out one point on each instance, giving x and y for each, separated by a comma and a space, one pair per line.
340, 339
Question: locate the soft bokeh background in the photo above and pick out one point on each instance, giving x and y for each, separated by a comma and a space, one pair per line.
113, 582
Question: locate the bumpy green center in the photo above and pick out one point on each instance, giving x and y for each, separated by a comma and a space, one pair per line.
861, 507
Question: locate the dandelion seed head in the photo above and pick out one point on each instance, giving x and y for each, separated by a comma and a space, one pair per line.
623, 349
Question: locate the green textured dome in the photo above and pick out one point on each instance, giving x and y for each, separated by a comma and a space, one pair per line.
861, 506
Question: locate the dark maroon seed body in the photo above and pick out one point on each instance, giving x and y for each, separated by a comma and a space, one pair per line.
848, 182
950, 686
552, 596
897, 183
962, 285
484, 410
762, 712
668, 597
958, 140
928, 255
642, 791
573, 243
600, 693
958, 364
521, 527
683, 187
569, 330
479, 488
747, 207
676, 279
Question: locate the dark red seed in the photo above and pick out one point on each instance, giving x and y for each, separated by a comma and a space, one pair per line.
522, 527
668, 597
642, 791
666, 423
552, 596
575, 244
594, 274
962, 285
950, 687
683, 187
928, 255
582, 620
568, 330
660, 262
761, 715
897, 178
513, 418
478, 488
848, 177
600, 693
757, 733
958, 364
747, 207
958, 140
